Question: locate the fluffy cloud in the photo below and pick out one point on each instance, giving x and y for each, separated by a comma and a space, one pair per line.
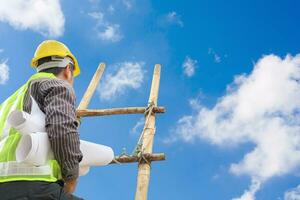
250, 194
42, 16
106, 31
111, 33
128, 75
189, 66
171, 18
261, 108
4, 72
217, 58
293, 194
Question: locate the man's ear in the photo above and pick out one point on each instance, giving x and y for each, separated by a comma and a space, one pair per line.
66, 71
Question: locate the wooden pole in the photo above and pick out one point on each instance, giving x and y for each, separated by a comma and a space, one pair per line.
147, 138
116, 111
92, 87
132, 159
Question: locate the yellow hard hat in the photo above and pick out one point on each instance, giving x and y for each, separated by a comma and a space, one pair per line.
54, 48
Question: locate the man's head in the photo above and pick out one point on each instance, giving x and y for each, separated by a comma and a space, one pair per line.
62, 68
52, 56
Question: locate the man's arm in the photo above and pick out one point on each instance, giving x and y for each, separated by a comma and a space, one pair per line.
61, 126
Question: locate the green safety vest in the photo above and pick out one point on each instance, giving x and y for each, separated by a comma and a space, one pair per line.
10, 169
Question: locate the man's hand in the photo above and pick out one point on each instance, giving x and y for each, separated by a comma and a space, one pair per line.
70, 186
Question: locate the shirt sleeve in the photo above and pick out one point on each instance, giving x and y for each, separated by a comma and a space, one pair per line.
62, 128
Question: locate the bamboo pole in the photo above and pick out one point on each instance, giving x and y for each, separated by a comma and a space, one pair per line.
116, 111
92, 87
147, 138
131, 159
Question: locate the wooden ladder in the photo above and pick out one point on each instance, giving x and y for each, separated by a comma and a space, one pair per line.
143, 155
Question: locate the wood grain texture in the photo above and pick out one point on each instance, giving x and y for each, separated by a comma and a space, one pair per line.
92, 87
116, 111
147, 138
131, 159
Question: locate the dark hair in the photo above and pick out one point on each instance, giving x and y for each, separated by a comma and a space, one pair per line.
55, 70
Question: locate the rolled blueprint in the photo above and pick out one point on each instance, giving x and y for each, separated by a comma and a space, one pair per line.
34, 146
28, 123
98, 155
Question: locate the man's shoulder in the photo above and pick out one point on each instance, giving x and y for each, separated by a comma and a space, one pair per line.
46, 84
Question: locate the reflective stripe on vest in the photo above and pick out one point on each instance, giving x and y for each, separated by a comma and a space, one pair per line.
14, 168
10, 170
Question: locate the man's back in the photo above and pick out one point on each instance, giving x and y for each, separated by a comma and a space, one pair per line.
56, 99
51, 88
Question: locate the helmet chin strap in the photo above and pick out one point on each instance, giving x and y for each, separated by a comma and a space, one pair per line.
55, 62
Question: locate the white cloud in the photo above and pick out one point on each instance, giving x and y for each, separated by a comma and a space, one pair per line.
129, 75
250, 194
174, 18
216, 57
261, 108
171, 18
106, 31
293, 194
1, 50
111, 33
138, 126
4, 72
97, 16
42, 16
189, 66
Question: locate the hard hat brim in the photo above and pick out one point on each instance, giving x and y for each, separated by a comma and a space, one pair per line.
76, 65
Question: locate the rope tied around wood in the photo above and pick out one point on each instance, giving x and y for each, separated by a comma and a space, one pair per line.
138, 152
138, 148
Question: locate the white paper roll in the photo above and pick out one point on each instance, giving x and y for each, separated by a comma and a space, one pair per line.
25, 123
34, 149
28, 123
95, 154
34, 146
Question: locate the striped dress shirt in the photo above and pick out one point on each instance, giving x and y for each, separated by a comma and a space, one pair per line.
56, 98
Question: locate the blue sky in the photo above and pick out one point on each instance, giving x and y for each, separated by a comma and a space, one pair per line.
231, 130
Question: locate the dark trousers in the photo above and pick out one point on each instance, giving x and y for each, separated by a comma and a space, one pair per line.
34, 190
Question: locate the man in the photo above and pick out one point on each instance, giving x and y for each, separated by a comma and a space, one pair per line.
52, 89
